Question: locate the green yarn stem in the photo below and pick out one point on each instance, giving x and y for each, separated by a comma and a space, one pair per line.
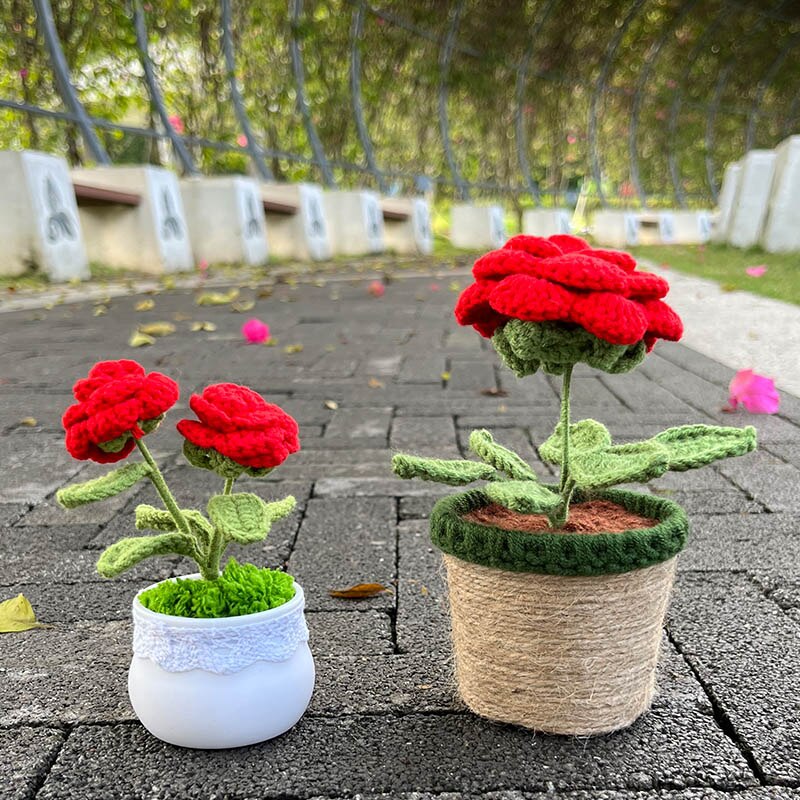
163, 490
567, 486
228, 485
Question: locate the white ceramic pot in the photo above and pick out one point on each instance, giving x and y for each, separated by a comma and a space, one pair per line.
215, 683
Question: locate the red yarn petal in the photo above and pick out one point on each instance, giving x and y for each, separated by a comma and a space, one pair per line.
157, 395
662, 321
610, 317
498, 264
567, 243
533, 245
210, 414
643, 285
105, 372
624, 261
580, 271
473, 309
531, 299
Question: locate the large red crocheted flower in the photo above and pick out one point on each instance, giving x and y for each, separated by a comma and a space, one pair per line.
114, 401
238, 423
563, 279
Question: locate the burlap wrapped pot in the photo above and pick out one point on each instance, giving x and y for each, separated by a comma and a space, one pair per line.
559, 632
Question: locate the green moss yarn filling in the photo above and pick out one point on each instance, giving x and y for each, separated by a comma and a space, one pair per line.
551, 553
240, 589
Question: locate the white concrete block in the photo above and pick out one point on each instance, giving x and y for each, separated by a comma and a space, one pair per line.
412, 235
303, 235
39, 223
782, 229
684, 227
752, 198
151, 237
477, 227
721, 220
546, 221
612, 228
356, 222
225, 219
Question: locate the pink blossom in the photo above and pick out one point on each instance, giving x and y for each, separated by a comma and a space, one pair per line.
376, 289
241, 140
255, 331
23, 73
756, 272
755, 392
202, 265
177, 124
571, 139
434, 287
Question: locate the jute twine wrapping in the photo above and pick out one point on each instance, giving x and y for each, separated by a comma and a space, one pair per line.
564, 655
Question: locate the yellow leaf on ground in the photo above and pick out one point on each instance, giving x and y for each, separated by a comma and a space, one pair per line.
179, 316
243, 306
145, 305
29, 422
217, 298
271, 342
360, 591
139, 339
331, 404
157, 329
99, 311
374, 383
445, 376
203, 326
293, 348
17, 614
455, 286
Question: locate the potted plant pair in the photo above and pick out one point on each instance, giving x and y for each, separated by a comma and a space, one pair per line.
220, 657
558, 592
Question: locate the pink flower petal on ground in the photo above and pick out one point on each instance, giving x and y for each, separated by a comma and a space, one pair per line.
376, 289
177, 124
434, 287
755, 392
23, 73
756, 272
241, 140
255, 331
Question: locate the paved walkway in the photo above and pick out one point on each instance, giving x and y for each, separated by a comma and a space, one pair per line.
384, 721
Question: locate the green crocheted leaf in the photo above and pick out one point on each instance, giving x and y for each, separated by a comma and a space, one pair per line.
241, 517
553, 346
126, 553
279, 509
454, 473
103, 487
501, 458
624, 463
585, 436
690, 446
156, 519
526, 497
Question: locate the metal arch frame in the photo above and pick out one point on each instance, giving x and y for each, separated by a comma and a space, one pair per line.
58, 62
445, 56
599, 87
672, 163
714, 105
253, 147
644, 75
156, 98
298, 68
763, 85
519, 96
356, 32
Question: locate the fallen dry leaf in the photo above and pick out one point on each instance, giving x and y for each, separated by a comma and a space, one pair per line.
168, 281
243, 306
145, 305
292, 348
271, 342
203, 326
28, 422
99, 311
454, 286
217, 298
264, 293
17, 614
374, 383
331, 404
494, 392
445, 376
157, 329
139, 339
360, 591
179, 316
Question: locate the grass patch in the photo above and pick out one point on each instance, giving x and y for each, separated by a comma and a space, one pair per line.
240, 589
727, 265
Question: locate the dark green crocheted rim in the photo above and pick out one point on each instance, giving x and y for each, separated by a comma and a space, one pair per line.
561, 553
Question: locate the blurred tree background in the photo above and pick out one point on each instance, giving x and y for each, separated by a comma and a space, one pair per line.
668, 88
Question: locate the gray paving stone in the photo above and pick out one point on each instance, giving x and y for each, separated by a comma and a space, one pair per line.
765, 478
434, 434
472, 375
350, 633
712, 502
11, 512
362, 423
39, 464
25, 758
443, 752
745, 650
421, 368
342, 544
377, 487
417, 507
790, 453
74, 602
738, 542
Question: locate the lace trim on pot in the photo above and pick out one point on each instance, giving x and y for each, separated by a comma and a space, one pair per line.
221, 650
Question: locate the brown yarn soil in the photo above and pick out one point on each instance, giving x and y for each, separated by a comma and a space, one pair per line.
593, 516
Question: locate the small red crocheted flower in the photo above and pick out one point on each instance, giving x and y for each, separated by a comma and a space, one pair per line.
238, 423
118, 402
563, 279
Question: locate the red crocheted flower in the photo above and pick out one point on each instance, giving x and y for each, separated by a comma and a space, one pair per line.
115, 401
238, 423
563, 279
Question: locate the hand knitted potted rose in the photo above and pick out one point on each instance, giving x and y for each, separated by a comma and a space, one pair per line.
558, 592
220, 658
